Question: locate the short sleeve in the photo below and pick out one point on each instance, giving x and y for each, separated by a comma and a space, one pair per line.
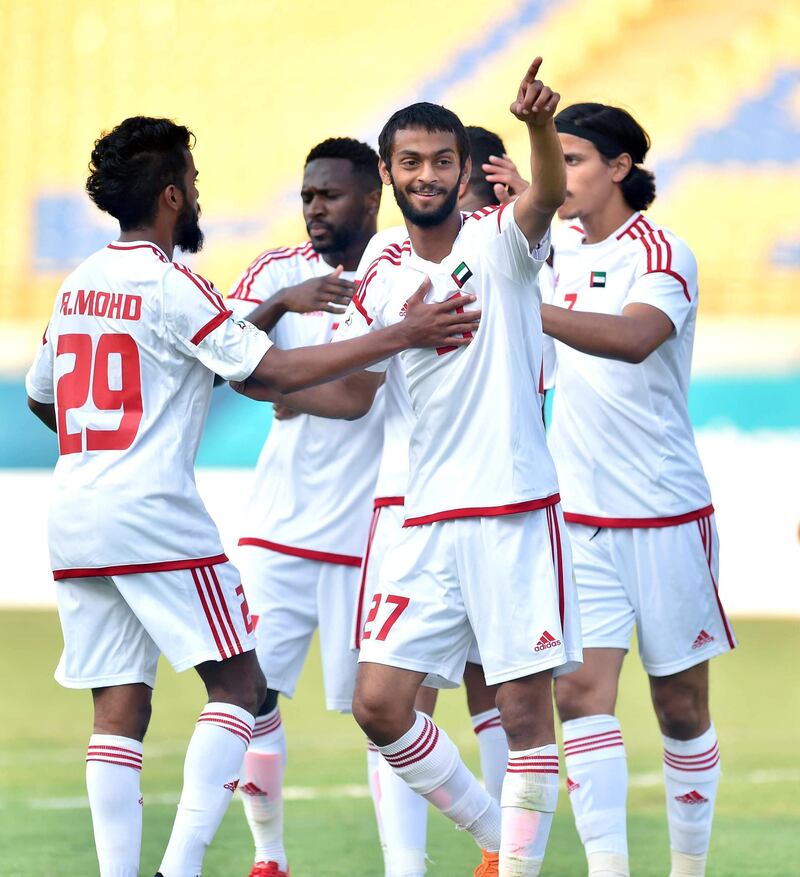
508, 248
361, 317
201, 326
39, 380
665, 277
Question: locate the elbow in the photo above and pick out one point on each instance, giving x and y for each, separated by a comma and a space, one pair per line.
358, 410
636, 353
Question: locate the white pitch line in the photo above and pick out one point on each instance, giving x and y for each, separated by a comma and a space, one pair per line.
317, 793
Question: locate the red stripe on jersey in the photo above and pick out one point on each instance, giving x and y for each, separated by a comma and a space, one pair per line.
514, 508
558, 561
244, 287
210, 326
382, 501
132, 568
485, 211
203, 285
362, 587
675, 276
155, 249
500, 213
307, 553
673, 521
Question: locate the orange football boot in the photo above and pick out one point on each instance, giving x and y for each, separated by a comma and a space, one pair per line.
489, 866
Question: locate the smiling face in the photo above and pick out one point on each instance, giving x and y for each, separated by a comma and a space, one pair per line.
336, 204
425, 175
592, 180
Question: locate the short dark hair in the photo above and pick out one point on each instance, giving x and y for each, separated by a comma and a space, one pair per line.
132, 164
482, 144
618, 132
429, 117
362, 156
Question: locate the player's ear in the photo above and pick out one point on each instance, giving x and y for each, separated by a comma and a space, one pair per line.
373, 201
466, 172
383, 170
173, 197
622, 165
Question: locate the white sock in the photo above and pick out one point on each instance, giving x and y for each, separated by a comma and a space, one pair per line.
113, 769
210, 777
530, 794
597, 782
404, 815
493, 747
427, 760
374, 783
691, 776
262, 788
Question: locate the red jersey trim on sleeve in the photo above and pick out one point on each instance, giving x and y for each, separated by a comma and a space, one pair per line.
245, 285
203, 285
514, 508
131, 568
307, 553
638, 523
210, 326
383, 501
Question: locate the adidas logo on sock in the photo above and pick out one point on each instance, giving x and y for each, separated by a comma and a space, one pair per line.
571, 786
692, 797
253, 790
703, 639
546, 641
231, 786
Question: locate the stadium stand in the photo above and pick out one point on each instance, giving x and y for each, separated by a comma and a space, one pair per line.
716, 84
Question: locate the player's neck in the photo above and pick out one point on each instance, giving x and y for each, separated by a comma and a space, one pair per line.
152, 235
598, 226
351, 255
436, 242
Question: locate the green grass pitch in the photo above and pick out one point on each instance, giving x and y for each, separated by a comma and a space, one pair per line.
45, 827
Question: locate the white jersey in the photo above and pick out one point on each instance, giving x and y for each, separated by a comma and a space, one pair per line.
129, 358
315, 477
399, 415
621, 435
477, 445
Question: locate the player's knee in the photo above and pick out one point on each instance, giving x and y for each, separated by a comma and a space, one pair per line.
376, 716
258, 693
682, 714
573, 698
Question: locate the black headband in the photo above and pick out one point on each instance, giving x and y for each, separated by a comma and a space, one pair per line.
605, 143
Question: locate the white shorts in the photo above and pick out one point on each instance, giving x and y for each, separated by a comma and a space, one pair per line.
115, 627
507, 580
662, 578
385, 530
292, 597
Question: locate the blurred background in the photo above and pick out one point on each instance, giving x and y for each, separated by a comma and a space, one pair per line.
715, 82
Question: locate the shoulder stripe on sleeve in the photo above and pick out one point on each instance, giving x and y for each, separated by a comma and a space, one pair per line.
209, 327
245, 285
391, 254
203, 285
484, 212
500, 213
659, 258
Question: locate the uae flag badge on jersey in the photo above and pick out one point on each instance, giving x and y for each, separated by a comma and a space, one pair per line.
597, 278
461, 275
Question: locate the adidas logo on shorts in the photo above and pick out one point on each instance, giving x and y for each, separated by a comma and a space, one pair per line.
572, 785
703, 639
231, 786
692, 797
546, 641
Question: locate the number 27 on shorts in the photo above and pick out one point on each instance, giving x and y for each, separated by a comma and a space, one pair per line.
390, 606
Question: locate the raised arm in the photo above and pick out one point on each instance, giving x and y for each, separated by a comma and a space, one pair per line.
424, 325
535, 106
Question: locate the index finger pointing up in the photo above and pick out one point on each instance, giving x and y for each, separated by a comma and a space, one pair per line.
530, 76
